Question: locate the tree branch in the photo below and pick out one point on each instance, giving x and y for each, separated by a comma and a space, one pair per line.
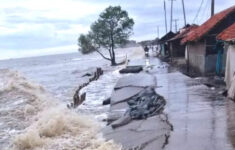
103, 55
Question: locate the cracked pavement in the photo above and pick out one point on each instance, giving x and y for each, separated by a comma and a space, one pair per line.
195, 117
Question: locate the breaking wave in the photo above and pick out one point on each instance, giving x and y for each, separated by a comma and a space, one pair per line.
30, 118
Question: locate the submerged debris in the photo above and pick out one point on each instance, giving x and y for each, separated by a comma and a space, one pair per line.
107, 101
78, 98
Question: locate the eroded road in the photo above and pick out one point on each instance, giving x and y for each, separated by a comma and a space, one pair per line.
201, 118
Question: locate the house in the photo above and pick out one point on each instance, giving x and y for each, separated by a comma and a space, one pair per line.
228, 37
176, 48
200, 42
164, 51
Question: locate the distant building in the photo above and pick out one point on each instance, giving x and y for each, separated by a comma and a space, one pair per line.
228, 37
177, 49
163, 42
201, 42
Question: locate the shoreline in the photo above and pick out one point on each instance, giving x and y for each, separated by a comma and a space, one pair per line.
98, 90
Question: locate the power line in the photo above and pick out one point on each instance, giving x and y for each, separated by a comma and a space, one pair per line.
205, 11
198, 11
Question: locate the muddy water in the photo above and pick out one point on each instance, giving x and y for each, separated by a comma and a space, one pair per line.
202, 119
33, 97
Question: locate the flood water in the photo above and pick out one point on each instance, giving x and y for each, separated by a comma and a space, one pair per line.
34, 93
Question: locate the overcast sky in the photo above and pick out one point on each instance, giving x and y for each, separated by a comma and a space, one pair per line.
38, 27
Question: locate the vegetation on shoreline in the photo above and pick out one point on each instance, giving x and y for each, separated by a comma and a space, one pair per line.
112, 29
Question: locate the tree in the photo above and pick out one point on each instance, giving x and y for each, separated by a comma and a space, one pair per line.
85, 43
112, 29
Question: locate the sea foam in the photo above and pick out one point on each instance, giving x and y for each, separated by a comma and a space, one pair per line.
47, 123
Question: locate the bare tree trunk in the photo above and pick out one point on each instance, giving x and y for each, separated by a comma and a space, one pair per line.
113, 59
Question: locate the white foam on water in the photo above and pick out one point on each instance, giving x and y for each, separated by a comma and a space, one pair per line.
39, 121
99, 90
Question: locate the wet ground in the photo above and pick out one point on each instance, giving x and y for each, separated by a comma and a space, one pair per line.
201, 118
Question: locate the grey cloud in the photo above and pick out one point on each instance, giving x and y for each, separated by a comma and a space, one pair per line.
149, 15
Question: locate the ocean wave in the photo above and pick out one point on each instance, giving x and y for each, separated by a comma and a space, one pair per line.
41, 122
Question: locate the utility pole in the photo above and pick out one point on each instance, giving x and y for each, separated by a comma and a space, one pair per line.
212, 7
176, 25
165, 15
171, 14
184, 13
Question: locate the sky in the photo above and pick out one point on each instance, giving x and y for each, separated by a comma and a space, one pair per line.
42, 27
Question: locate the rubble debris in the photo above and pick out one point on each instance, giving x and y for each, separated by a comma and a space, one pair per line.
78, 98
145, 104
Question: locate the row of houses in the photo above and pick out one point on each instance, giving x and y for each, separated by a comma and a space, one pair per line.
208, 49
199, 45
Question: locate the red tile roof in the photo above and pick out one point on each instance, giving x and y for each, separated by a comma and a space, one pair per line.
206, 27
228, 34
184, 33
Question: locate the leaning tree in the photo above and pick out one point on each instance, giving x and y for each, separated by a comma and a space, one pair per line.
112, 29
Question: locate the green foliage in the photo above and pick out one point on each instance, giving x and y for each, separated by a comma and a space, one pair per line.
85, 44
111, 30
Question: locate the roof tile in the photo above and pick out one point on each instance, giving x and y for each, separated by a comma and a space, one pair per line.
228, 34
199, 32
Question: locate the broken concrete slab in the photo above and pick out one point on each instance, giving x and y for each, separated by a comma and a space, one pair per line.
142, 134
138, 80
115, 115
119, 106
124, 120
145, 104
123, 94
146, 134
